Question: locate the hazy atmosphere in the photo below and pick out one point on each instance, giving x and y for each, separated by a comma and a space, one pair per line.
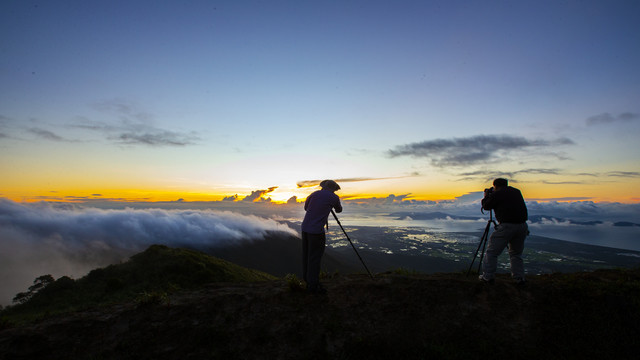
129, 123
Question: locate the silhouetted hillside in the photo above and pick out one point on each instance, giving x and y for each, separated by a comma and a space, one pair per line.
155, 272
590, 315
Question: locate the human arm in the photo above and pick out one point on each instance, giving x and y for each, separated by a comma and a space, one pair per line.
338, 207
306, 203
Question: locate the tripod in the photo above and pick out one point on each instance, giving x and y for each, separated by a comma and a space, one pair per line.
483, 243
354, 248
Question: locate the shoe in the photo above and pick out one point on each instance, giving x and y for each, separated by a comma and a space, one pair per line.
485, 280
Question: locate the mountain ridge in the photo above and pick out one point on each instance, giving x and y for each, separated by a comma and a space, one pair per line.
399, 314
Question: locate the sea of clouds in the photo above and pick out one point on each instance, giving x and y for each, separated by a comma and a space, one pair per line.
63, 239
71, 239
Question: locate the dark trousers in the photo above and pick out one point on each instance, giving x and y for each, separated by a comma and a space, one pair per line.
312, 251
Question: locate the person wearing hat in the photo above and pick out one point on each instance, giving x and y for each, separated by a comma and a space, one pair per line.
511, 212
318, 207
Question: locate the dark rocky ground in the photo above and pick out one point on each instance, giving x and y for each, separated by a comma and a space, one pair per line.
591, 315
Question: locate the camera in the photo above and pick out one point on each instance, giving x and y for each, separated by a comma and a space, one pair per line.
488, 190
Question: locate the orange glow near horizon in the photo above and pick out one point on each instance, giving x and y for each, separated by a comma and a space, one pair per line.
95, 189
531, 193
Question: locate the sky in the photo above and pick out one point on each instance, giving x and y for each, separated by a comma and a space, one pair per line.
255, 100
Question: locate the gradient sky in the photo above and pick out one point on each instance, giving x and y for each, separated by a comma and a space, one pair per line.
199, 100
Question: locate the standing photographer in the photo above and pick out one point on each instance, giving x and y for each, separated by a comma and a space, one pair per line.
318, 206
511, 212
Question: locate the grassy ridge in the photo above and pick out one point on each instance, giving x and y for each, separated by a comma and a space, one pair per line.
147, 276
401, 314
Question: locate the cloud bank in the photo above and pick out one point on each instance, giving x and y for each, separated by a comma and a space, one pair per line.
61, 240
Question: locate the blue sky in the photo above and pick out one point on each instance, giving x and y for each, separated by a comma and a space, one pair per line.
205, 99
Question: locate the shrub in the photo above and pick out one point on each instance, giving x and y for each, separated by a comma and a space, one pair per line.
294, 283
146, 299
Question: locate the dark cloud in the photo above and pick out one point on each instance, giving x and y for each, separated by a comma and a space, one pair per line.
628, 174
230, 198
308, 183
539, 171
476, 149
563, 182
155, 137
607, 118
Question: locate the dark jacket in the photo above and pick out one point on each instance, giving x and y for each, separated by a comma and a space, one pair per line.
508, 204
318, 206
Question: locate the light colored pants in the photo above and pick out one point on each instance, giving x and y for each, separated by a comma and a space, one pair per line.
504, 235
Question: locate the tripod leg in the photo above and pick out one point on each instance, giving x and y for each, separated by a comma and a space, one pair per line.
484, 247
475, 256
483, 241
353, 246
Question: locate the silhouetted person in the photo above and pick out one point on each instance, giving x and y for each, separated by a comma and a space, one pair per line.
511, 212
318, 207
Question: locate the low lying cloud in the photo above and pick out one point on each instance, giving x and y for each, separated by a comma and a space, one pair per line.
480, 149
64, 239
607, 118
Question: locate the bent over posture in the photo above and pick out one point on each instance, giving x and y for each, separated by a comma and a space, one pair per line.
318, 207
511, 213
